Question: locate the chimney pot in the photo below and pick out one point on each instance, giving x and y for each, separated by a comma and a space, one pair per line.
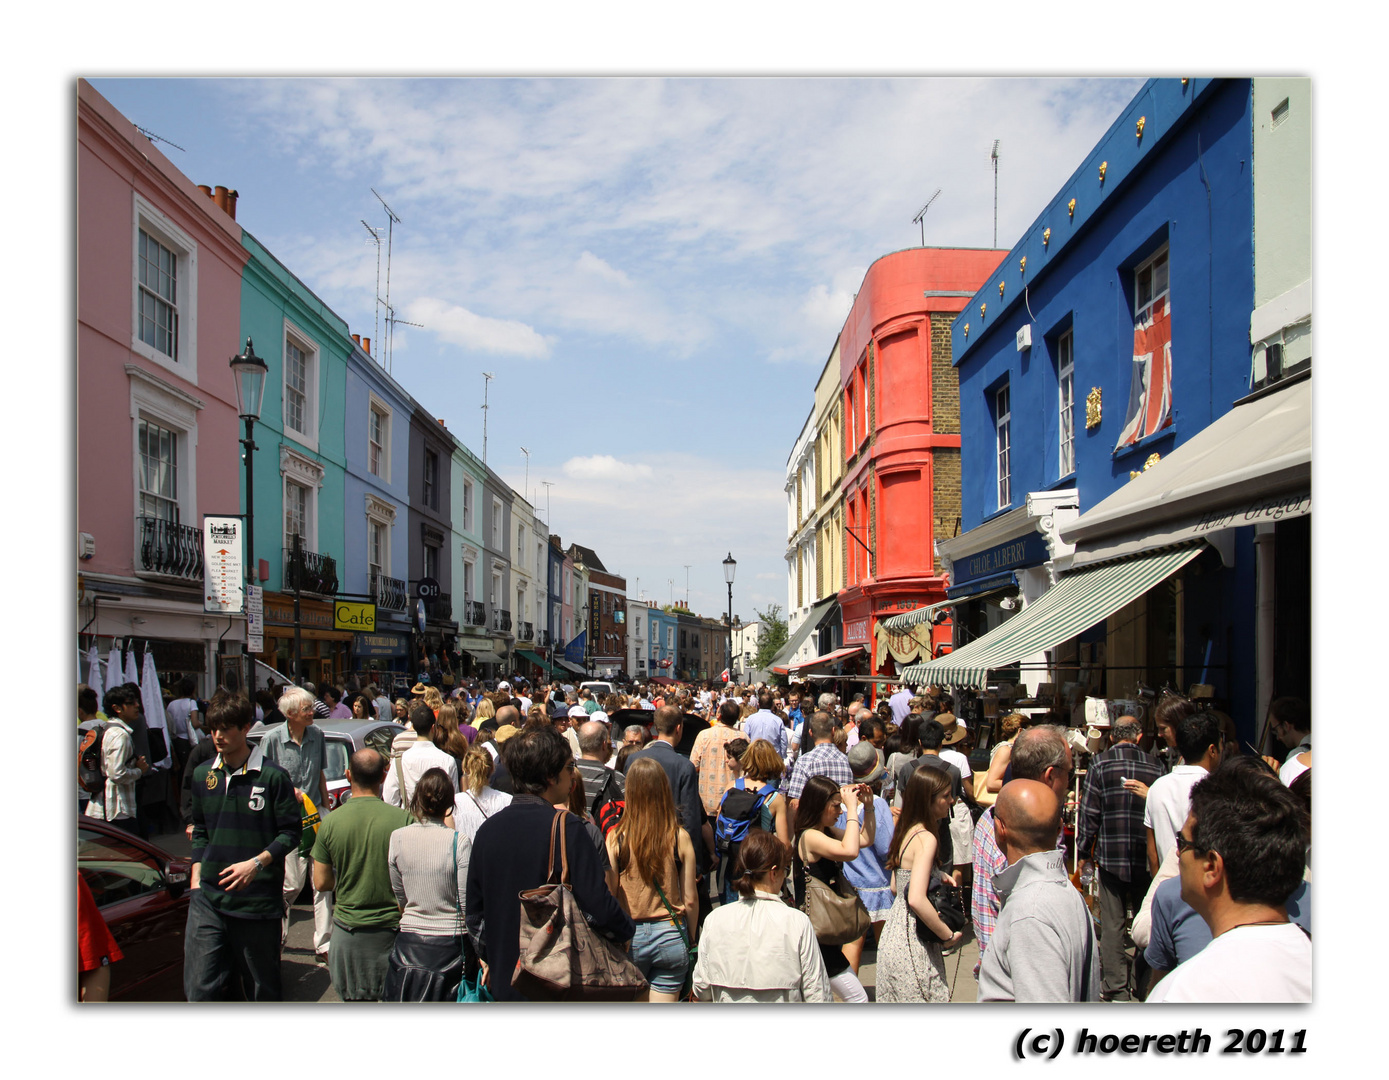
357, 338
366, 345
205, 189
232, 196
220, 196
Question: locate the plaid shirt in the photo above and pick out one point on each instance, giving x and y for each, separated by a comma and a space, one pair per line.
710, 759
824, 760
989, 860
1109, 828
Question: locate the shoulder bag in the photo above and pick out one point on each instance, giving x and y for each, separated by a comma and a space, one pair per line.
690, 950
836, 913
561, 957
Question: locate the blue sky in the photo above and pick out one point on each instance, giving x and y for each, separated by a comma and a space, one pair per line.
654, 269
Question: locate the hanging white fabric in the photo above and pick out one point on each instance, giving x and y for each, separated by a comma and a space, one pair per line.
132, 673
152, 701
94, 668
113, 668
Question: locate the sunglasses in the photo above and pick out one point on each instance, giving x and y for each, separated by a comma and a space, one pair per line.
1183, 844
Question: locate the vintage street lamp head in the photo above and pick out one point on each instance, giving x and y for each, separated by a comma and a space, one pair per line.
248, 372
730, 565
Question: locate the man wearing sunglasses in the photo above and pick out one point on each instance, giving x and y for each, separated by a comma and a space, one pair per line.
1241, 852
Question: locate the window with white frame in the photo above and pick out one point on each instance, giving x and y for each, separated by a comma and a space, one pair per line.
1149, 285
467, 505
431, 479
303, 476
522, 613
497, 589
164, 291
520, 546
158, 472
539, 562
378, 439
1002, 418
297, 503
497, 524
1065, 393
377, 557
431, 561
300, 387
468, 566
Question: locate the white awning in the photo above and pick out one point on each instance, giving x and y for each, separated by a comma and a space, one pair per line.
1252, 466
1073, 605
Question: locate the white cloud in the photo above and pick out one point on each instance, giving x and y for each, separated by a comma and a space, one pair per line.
590, 263
604, 467
459, 326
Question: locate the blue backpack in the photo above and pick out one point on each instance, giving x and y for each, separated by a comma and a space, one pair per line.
739, 810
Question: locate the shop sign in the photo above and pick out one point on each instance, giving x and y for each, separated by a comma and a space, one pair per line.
897, 603
856, 631
222, 566
379, 646
279, 611
353, 616
1258, 512
1029, 550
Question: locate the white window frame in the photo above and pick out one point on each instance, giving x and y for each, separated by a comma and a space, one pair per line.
381, 514
468, 500
497, 524
152, 399
520, 545
1003, 445
496, 588
1065, 396
1149, 266
469, 569
306, 473
312, 358
384, 411
146, 216
425, 485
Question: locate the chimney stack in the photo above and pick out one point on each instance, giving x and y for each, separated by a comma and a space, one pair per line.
232, 196
219, 196
357, 338
205, 190
366, 345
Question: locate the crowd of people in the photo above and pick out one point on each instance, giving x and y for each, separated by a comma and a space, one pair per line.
729, 844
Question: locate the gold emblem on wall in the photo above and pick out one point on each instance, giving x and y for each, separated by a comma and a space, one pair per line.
1153, 459
1092, 408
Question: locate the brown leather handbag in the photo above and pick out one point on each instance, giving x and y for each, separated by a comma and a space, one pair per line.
562, 958
836, 913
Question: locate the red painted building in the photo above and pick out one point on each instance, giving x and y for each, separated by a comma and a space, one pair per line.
901, 485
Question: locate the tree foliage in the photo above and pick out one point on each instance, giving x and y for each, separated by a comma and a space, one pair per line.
773, 636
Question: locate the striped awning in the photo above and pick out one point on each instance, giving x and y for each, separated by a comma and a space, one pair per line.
895, 624
1073, 605
830, 658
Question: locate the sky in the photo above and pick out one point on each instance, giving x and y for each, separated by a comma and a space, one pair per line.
654, 269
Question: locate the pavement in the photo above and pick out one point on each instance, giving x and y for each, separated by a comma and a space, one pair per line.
303, 978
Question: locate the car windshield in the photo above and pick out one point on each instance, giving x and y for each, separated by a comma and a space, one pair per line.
335, 755
115, 869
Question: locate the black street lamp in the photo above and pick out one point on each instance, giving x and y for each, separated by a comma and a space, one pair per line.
248, 376
730, 566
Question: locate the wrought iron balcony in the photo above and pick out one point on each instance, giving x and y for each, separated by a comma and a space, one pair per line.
526, 632
441, 607
314, 573
475, 613
542, 638
501, 620
169, 548
390, 592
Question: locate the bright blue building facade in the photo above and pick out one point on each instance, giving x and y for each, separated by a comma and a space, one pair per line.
1147, 250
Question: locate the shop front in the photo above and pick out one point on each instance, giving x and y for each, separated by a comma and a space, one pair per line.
325, 652
865, 609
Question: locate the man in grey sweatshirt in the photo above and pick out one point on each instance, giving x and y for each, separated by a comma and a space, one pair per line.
1044, 947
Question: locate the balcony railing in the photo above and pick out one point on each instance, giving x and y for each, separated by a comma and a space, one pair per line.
441, 607
542, 638
475, 613
169, 548
526, 632
501, 620
316, 573
390, 592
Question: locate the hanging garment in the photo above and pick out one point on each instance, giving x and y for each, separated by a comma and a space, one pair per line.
152, 701
113, 669
132, 674
94, 669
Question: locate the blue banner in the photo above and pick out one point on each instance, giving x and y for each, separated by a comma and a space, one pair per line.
574, 651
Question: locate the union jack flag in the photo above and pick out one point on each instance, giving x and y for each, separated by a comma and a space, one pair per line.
1150, 386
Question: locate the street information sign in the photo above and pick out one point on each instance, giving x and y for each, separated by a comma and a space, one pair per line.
255, 619
222, 572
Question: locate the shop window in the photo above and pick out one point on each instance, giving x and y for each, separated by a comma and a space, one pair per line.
1065, 399
1003, 446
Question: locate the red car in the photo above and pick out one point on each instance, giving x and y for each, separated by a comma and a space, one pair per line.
142, 892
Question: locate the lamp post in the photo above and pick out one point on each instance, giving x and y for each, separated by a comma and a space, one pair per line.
730, 566
248, 376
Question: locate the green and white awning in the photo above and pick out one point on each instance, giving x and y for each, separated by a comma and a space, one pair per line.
895, 624
1073, 605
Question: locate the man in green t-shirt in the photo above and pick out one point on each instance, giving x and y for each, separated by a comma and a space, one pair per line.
350, 859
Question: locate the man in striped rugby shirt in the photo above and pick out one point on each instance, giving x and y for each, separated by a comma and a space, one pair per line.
245, 818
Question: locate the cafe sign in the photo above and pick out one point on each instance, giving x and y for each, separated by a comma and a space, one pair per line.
352, 616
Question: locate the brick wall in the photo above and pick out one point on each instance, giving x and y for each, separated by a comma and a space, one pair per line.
945, 386
945, 493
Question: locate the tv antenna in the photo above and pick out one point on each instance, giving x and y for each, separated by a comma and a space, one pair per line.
392, 219
671, 582
376, 239
526, 489
487, 377
993, 156
547, 485
687, 584
152, 137
391, 322
920, 218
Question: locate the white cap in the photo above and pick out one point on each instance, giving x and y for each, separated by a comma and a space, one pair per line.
577, 711
503, 686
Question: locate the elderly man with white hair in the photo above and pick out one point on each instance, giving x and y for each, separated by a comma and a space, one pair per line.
297, 747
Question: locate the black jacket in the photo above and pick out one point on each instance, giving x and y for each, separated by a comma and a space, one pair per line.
684, 786
509, 855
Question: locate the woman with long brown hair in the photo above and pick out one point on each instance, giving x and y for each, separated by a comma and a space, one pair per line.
911, 965
655, 865
820, 850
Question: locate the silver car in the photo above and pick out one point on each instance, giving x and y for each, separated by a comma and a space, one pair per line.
342, 739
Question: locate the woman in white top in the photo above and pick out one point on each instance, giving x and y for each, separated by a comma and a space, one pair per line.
758, 948
478, 800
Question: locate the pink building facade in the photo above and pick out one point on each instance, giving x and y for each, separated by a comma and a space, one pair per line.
159, 269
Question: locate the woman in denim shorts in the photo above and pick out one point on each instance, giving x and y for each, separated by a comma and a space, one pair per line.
655, 864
